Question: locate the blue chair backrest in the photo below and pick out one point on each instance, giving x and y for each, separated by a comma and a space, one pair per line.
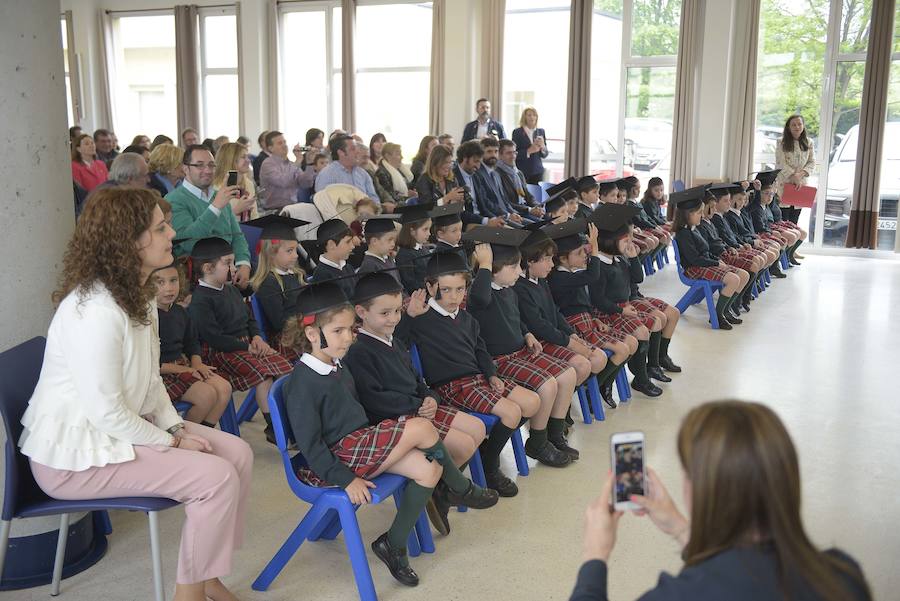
678, 186
20, 368
304, 195
545, 185
416, 360
251, 234
539, 194
260, 317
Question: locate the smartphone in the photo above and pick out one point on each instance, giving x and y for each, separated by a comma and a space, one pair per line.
232, 178
626, 452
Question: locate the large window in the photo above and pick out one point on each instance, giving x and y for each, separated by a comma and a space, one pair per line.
219, 73
144, 86
535, 68
890, 186
393, 72
67, 69
310, 78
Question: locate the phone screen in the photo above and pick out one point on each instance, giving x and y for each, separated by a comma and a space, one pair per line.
629, 470
232, 178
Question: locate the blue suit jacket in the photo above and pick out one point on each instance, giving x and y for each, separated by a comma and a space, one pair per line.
486, 202
493, 126
534, 164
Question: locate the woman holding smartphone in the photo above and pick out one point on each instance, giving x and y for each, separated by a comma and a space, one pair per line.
743, 538
531, 147
233, 158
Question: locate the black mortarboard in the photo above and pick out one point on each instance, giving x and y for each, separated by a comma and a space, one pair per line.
331, 229
767, 178
211, 249
446, 262
612, 220
569, 235
505, 242
719, 190
380, 224
566, 184
277, 227
416, 212
624, 184
556, 200
447, 214
586, 183
536, 234
608, 186
317, 297
375, 284
690, 198
631, 180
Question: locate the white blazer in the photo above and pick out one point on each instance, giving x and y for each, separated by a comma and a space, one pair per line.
99, 377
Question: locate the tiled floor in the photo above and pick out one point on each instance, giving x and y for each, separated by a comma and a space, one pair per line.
820, 347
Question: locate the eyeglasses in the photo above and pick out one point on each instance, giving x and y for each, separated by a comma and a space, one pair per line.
210, 166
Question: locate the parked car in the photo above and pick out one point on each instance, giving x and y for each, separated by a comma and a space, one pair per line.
839, 192
651, 139
602, 165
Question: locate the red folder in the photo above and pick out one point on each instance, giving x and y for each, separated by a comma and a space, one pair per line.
802, 197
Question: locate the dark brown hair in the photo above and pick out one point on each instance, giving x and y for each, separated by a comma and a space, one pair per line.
104, 250
745, 490
787, 138
681, 218
76, 154
405, 238
422, 153
533, 254
294, 333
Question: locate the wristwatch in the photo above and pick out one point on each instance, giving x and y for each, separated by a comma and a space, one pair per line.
175, 428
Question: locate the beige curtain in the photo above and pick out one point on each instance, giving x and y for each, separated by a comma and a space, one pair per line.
493, 17
436, 104
863, 228
74, 71
348, 81
741, 121
272, 64
578, 95
106, 113
187, 67
690, 48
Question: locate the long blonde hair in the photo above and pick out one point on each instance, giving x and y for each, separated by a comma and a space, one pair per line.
226, 160
267, 248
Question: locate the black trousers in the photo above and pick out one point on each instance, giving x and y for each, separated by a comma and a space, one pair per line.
791, 214
534, 178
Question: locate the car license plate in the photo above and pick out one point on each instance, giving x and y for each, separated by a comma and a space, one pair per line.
887, 224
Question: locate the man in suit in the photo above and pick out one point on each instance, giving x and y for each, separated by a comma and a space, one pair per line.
483, 126
516, 214
482, 206
515, 189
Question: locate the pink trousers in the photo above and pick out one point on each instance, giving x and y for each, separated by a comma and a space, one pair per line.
212, 486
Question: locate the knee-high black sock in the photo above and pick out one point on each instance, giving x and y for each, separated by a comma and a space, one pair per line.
722, 304
638, 362
664, 346
653, 351
491, 447
793, 248
452, 477
412, 502
608, 372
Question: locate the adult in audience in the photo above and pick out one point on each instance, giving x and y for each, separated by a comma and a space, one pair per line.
243, 141
115, 140
189, 137
87, 170
200, 211
139, 150
448, 141
279, 176
375, 147
262, 156
336, 133
489, 172
85, 432
103, 142
210, 145
531, 146
141, 140
363, 160
482, 206
234, 157
315, 145
129, 170
515, 190
220, 142
796, 157
160, 139
166, 168
393, 177
483, 126
344, 168
426, 144
743, 538
74, 132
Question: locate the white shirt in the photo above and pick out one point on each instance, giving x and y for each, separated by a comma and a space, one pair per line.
379, 257
325, 260
283, 271
482, 129
387, 341
605, 259
206, 285
319, 366
99, 377
441, 311
206, 196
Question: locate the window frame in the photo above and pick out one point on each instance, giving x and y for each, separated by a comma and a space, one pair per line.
218, 11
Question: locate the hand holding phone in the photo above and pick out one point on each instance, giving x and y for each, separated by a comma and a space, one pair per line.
627, 457
232, 178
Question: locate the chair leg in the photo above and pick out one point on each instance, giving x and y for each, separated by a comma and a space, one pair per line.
248, 407
596, 399
423, 534
328, 523
687, 300
357, 552
290, 546
4, 543
156, 556
412, 541
785, 264
476, 469
229, 422
60, 553
519, 452
711, 307
623, 387
103, 516
581, 391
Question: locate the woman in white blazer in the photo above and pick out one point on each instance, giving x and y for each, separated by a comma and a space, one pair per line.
100, 423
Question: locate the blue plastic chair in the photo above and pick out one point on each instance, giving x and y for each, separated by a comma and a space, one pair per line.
304, 195
698, 290
249, 407
545, 185
331, 511
785, 263
228, 422
678, 186
20, 368
539, 194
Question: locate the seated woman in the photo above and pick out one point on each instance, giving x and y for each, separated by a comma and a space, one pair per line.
234, 157
394, 177
426, 145
166, 168
740, 541
87, 170
436, 183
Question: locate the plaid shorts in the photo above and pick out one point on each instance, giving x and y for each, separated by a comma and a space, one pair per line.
648, 304
736, 259
714, 273
624, 323
443, 418
178, 384
474, 393
287, 352
244, 370
559, 352
363, 450
589, 329
528, 371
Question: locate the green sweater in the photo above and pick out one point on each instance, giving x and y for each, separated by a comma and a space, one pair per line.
193, 218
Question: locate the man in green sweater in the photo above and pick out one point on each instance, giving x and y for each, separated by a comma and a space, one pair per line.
200, 211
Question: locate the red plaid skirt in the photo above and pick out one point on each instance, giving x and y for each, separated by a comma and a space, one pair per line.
443, 418
178, 384
646, 317
589, 329
474, 393
525, 370
663, 236
244, 370
774, 237
786, 225
642, 241
648, 304
715, 273
287, 352
622, 322
363, 450
559, 352
737, 259
667, 227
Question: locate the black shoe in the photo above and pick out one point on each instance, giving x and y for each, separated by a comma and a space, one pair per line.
606, 393
647, 388
393, 559
777, 273
657, 374
438, 509
563, 445
569, 420
730, 318
723, 323
793, 261
270, 435
745, 304
547, 454
499, 482
668, 365
474, 497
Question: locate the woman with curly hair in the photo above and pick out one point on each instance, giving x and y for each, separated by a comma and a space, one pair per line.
100, 424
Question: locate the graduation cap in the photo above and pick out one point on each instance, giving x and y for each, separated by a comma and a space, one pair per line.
767, 178
569, 235
380, 224
317, 297
416, 212
719, 190
689, 199
331, 229
567, 184
505, 242
536, 234
447, 214
445, 262
556, 200
210, 249
624, 184
612, 220
586, 184
608, 186
375, 284
277, 227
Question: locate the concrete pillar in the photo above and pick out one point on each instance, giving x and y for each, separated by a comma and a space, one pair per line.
36, 207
